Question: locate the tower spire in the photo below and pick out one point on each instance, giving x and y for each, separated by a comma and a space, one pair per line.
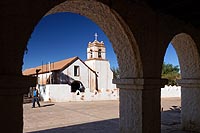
95, 36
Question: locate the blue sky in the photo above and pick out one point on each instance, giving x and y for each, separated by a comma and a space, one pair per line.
64, 35
171, 56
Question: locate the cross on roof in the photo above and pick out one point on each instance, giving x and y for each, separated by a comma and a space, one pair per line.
95, 35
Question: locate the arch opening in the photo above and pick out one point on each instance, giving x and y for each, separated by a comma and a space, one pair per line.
118, 33
171, 92
188, 57
54, 77
77, 85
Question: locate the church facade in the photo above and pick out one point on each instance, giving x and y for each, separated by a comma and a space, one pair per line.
94, 74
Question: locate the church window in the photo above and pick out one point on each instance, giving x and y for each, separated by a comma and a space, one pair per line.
99, 53
90, 53
76, 71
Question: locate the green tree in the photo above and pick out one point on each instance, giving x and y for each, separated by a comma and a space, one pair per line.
115, 72
171, 73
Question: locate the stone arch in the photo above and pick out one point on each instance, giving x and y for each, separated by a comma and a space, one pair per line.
189, 60
188, 55
117, 31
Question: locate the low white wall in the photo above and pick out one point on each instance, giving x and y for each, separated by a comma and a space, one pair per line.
55, 92
44, 93
62, 93
171, 91
59, 93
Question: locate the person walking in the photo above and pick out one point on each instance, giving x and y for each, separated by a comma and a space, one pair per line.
35, 98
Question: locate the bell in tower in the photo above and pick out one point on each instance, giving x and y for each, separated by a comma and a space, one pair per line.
96, 49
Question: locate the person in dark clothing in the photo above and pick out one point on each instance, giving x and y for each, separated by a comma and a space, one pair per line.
35, 98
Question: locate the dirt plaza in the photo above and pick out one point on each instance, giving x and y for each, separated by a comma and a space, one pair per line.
91, 117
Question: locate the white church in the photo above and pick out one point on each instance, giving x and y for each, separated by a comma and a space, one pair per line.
73, 79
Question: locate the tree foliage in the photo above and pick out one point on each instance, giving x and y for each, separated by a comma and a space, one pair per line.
115, 72
171, 73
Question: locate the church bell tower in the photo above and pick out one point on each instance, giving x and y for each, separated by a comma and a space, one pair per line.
96, 60
96, 50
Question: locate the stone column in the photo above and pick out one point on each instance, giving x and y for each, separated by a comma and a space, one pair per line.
190, 104
140, 105
12, 89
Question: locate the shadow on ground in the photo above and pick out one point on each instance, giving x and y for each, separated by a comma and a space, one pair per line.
106, 126
171, 121
46, 105
172, 116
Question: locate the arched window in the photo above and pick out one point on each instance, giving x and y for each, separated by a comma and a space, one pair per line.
99, 53
90, 53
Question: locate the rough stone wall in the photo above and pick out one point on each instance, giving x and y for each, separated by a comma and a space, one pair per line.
17, 22
139, 36
153, 32
190, 108
130, 111
123, 25
188, 56
186, 43
144, 38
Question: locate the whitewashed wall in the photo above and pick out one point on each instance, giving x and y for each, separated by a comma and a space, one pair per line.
42, 78
59, 93
171, 91
56, 92
62, 93
44, 93
86, 75
105, 75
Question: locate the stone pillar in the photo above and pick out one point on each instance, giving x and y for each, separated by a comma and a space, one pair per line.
190, 104
12, 89
140, 105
